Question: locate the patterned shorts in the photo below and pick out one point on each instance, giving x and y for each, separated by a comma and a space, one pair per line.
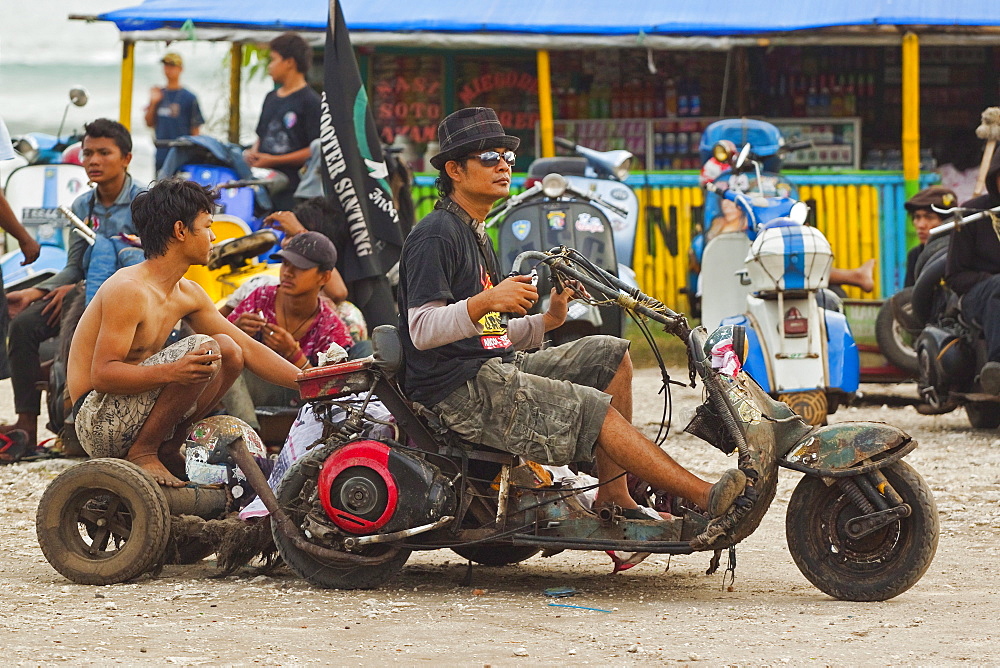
545, 406
107, 424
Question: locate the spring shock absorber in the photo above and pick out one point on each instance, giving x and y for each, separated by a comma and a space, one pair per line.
854, 493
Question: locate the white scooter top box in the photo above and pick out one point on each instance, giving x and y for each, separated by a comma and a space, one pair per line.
792, 257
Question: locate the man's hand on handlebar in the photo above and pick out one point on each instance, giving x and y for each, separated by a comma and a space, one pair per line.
559, 302
514, 295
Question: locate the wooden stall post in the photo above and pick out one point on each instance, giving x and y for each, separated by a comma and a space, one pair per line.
128, 77
911, 113
547, 140
235, 69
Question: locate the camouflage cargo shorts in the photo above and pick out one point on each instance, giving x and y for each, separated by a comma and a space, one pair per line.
546, 406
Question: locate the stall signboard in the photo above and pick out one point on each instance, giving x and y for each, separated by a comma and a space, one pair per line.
408, 97
509, 86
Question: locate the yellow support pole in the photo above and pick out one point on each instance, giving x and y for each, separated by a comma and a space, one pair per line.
128, 76
545, 105
235, 68
911, 113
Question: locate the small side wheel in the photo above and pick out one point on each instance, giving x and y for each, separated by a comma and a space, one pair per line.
103, 522
984, 415
812, 405
876, 567
496, 555
894, 341
315, 570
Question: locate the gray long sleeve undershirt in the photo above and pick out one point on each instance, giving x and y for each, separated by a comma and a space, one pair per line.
437, 323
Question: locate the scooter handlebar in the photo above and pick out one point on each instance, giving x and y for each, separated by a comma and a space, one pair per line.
565, 143
78, 225
796, 146
512, 201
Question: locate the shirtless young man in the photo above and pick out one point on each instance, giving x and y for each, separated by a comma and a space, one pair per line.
133, 400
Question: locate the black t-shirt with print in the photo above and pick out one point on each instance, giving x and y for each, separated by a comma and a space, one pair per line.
442, 260
288, 124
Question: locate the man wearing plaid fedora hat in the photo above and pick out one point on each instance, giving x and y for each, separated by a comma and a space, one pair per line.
555, 406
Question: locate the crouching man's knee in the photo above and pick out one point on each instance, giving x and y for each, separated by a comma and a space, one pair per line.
232, 354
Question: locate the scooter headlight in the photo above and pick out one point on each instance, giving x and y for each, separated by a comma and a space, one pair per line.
723, 151
735, 335
554, 185
27, 146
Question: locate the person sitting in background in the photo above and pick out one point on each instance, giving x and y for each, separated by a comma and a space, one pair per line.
733, 219
973, 271
925, 219
290, 319
314, 215
36, 311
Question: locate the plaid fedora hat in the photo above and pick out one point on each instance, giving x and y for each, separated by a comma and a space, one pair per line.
471, 129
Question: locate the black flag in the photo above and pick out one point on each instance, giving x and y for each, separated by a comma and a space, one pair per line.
355, 177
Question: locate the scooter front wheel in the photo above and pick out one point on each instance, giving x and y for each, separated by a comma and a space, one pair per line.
876, 567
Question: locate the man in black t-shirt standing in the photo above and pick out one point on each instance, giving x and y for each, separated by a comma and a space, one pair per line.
289, 119
555, 406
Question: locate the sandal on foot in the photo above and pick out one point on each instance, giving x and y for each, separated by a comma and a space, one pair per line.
723, 493
15, 446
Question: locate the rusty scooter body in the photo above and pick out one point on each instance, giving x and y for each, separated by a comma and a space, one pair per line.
861, 524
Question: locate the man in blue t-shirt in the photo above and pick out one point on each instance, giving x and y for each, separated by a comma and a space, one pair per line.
289, 119
173, 111
37, 311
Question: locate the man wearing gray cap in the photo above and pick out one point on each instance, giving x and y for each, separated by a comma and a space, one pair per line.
565, 404
289, 318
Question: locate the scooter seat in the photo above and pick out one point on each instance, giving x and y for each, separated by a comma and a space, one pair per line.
387, 349
565, 166
239, 251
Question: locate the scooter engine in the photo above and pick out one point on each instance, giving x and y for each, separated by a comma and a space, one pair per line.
947, 363
370, 487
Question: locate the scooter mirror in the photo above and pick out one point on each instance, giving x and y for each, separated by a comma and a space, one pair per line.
799, 213
742, 157
554, 185
78, 96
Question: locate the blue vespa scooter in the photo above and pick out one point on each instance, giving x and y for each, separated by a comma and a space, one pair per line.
802, 350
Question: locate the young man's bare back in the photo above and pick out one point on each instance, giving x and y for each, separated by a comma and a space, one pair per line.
133, 399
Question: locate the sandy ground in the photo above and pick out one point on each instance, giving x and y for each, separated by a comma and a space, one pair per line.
652, 615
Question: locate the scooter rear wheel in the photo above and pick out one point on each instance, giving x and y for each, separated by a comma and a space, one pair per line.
894, 341
315, 570
876, 567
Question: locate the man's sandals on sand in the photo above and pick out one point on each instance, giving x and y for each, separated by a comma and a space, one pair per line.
16, 446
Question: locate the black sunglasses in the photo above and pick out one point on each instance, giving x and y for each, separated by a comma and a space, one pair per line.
492, 158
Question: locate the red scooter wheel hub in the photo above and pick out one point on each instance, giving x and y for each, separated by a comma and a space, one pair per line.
356, 489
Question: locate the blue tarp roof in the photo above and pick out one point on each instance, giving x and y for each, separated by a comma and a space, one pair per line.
580, 17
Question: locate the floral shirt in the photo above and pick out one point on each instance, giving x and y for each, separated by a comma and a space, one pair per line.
326, 329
